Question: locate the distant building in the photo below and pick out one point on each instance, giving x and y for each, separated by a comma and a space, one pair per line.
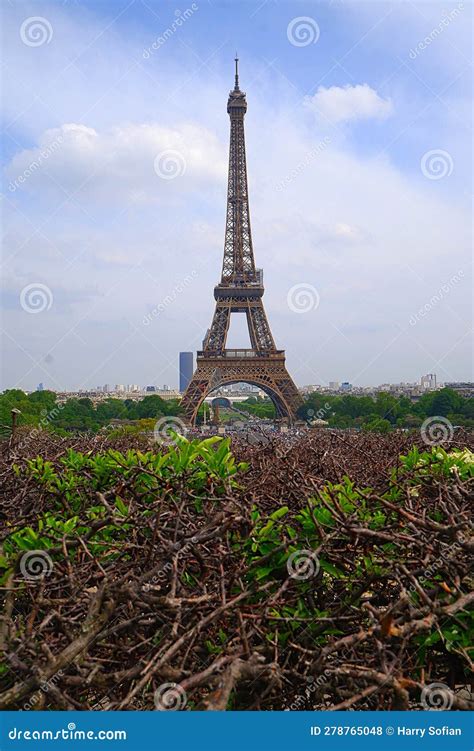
149, 389
40, 387
346, 386
464, 388
119, 388
312, 388
428, 382
334, 385
186, 368
167, 394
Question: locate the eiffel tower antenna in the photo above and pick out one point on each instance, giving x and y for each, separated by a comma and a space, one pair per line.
240, 290
236, 87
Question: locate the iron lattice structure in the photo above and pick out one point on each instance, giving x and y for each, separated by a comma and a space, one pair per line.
240, 291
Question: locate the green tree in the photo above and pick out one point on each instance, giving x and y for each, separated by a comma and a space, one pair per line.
379, 425
387, 407
151, 406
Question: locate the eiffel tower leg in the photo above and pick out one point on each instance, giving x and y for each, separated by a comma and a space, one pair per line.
197, 390
267, 373
219, 327
259, 329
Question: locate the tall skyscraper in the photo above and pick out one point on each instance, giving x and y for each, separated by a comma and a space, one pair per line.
186, 367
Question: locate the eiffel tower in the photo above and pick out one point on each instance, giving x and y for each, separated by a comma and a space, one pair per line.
240, 291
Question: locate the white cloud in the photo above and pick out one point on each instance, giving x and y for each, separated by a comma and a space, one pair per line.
121, 162
372, 240
369, 232
343, 103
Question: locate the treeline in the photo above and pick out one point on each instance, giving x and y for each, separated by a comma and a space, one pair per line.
386, 411
379, 414
42, 408
262, 408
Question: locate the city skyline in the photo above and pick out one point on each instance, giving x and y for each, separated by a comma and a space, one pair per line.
426, 382
361, 209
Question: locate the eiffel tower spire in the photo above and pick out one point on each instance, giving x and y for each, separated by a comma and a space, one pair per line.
239, 264
236, 86
240, 290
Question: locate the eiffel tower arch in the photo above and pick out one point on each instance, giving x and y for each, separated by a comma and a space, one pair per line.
240, 290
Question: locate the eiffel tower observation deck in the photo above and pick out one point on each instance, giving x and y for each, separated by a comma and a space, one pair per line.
240, 290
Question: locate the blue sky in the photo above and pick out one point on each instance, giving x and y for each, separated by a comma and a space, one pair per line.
358, 146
